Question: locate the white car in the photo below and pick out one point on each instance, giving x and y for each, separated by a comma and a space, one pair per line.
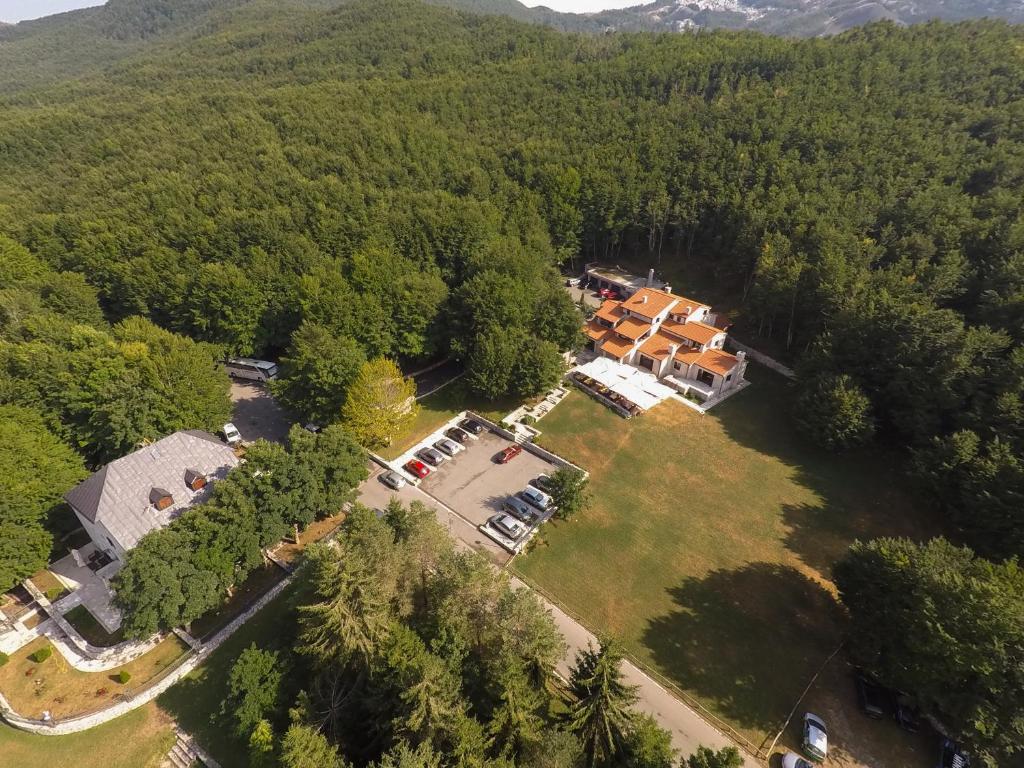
815, 743
793, 760
231, 434
536, 497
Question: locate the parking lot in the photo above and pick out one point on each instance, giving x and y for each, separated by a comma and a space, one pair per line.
257, 414
475, 486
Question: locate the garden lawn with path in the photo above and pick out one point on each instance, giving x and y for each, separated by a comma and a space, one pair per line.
139, 739
709, 544
32, 687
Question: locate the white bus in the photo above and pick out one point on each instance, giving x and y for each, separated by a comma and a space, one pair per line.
247, 368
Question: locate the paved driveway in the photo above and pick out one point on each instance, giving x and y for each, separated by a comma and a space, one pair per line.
475, 486
257, 414
374, 494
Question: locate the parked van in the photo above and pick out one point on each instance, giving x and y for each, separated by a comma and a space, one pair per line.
253, 370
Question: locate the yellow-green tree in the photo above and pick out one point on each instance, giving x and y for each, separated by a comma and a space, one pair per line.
380, 404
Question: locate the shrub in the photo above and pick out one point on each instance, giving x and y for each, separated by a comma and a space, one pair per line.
53, 593
4, 658
42, 654
123, 677
101, 692
528, 420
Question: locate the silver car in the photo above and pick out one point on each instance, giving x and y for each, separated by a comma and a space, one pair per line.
793, 760
536, 497
449, 447
393, 480
508, 526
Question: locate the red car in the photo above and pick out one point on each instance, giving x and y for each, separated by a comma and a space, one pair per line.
509, 453
417, 468
608, 293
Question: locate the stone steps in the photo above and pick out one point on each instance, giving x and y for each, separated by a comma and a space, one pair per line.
181, 755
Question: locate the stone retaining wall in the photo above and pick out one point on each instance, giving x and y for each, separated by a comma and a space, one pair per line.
85, 722
763, 359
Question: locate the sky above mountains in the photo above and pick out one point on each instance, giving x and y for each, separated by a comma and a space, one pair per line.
13, 11
21, 10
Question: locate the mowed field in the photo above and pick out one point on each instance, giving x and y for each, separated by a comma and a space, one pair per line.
709, 544
139, 739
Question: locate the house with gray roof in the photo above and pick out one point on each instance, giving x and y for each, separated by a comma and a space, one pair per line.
145, 490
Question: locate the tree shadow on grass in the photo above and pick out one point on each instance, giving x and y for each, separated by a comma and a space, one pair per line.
747, 640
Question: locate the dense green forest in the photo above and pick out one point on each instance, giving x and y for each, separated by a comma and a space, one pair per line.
411, 178
393, 179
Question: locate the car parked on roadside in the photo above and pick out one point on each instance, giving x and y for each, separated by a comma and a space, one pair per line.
231, 434
393, 480
432, 456
448, 447
509, 453
416, 468
508, 526
873, 698
572, 282
815, 740
456, 434
519, 509
475, 427
793, 760
536, 497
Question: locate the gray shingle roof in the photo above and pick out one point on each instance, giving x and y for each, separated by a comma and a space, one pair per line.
118, 496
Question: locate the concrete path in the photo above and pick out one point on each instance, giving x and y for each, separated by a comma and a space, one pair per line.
689, 730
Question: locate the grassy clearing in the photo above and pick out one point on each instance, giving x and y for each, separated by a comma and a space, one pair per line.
441, 407
140, 739
290, 552
54, 685
49, 585
709, 545
195, 701
93, 632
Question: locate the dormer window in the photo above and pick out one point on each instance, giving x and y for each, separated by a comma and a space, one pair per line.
160, 499
195, 479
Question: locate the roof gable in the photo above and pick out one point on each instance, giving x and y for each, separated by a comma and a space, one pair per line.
119, 496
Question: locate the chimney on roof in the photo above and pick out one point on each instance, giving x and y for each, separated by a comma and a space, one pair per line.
643, 299
650, 277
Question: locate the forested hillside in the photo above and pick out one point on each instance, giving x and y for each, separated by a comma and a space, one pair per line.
405, 181
411, 177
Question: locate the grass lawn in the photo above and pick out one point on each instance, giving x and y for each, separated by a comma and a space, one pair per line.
49, 585
54, 685
709, 544
93, 632
442, 406
140, 739
195, 701
290, 552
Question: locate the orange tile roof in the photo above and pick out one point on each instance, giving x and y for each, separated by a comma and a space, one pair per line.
595, 331
648, 302
658, 346
716, 361
610, 311
687, 356
632, 328
615, 346
680, 308
699, 332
